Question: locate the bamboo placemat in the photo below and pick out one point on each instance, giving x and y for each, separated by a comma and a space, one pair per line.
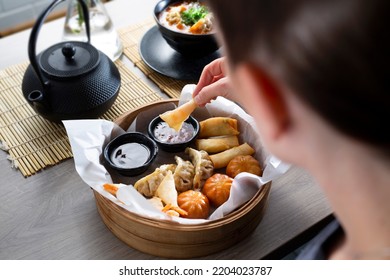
131, 36
34, 143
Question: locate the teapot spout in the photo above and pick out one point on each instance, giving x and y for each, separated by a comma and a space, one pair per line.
38, 101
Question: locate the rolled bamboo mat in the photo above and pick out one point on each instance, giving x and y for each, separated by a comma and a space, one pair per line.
34, 143
131, 37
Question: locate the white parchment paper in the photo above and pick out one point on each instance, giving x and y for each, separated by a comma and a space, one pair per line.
89, 137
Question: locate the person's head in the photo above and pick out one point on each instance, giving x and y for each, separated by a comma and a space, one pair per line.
333, 55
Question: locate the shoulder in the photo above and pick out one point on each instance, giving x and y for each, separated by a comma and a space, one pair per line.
317, 248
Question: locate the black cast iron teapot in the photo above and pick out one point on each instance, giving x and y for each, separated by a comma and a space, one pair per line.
69, 80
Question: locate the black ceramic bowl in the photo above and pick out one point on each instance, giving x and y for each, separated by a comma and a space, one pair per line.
131, 153
173, 147
191, 45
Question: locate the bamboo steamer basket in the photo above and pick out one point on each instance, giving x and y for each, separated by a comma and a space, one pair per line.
168, 239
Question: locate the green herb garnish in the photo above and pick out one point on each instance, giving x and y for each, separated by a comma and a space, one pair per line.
193, 14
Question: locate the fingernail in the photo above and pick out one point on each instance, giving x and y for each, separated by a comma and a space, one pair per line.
197, 99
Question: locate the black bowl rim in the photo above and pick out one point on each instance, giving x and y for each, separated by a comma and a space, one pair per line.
157, 10
169, 146
152, 146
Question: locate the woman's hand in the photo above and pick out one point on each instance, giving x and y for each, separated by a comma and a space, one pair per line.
213, 82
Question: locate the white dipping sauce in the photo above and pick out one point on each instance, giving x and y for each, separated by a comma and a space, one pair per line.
130, 155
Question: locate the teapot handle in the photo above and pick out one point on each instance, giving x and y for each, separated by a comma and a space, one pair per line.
37, 27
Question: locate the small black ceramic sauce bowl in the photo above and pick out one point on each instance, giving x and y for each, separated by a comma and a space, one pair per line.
130, 154
168, 139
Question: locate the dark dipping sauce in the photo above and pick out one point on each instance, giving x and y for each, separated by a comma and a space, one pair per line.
166, 134
130, 155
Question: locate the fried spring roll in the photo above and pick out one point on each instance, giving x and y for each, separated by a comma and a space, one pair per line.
216, 145
222, 159
218, 126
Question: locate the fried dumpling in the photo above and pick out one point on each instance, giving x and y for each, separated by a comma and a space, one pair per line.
184, 174
203, 166
176, 117
167, 191
148, 184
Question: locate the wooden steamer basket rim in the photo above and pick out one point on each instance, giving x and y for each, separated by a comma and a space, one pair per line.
169, 239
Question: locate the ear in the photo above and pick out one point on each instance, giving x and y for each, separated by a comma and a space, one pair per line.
265, 99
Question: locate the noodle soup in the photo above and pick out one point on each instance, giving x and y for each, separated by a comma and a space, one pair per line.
188, 17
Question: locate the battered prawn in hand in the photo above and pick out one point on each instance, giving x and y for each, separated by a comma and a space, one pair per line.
175, 118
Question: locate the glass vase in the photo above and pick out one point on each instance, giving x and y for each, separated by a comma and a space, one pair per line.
103, 35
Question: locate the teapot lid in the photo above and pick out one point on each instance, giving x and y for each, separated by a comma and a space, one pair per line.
69, 59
